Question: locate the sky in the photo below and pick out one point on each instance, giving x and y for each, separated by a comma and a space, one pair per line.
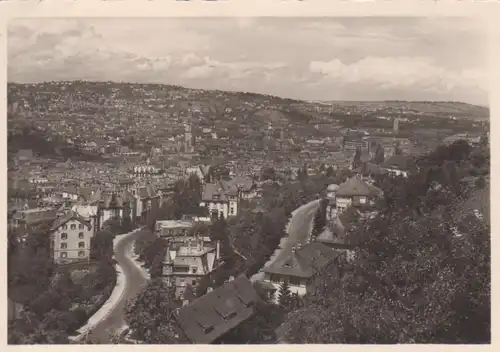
302, 58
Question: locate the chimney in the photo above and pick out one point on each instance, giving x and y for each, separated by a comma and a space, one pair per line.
231, 278
209, 289
217, 250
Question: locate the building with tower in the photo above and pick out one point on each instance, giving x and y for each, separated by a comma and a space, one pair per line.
396, 125
188, 139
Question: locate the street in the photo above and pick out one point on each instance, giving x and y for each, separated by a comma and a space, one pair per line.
299, 230
134, 281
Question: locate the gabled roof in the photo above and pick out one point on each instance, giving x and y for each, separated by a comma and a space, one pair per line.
146, 192
71, 215
355, 186
222, 188
401, 162
302, 262
214, 314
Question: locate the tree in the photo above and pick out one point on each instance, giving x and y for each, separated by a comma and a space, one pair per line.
379, 156
330, 172
268, 173
319, 220
356, 161
284, 295
150, 315
397, 149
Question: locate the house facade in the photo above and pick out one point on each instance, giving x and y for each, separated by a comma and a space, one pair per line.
220, 198
188, 263
355, 192
70, 237
298, 268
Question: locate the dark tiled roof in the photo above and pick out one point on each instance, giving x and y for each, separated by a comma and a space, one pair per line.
214, 314
303, 262
401, 162
355, 186
71, 215
223, 189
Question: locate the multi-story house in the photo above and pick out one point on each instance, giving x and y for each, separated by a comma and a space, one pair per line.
70, 238
89, 212
114, 205
299, 266
188, 263
220, 198
28, 221
146, 199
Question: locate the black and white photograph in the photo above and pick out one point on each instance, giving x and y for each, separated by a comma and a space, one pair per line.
248, 180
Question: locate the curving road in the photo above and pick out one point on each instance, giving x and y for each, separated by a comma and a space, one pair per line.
299, 229
134, 280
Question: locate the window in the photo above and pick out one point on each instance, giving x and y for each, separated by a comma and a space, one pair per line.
64, 255
194, 269
193, 282
64, 236
80, 226
80, 235
182, 282
294, 281
64, 245
73, 226
231, 211
81, 254
81, 244
65, 227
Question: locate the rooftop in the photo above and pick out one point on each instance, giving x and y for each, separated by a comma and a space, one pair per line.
214, 314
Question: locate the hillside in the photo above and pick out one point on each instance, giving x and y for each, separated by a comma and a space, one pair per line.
153, 113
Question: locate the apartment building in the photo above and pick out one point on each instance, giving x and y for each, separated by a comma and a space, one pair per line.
70, 238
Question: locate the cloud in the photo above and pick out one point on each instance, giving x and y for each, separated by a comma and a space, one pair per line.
398, 72
315, 58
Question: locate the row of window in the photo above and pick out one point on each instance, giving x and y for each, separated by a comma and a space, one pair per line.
73, 226
295, 281
64, 235
182, 282
64, 245
65, 254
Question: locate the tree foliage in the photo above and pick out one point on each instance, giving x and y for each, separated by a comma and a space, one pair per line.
150, 315
420, 274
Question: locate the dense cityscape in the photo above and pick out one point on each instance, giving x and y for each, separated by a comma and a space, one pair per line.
157, 214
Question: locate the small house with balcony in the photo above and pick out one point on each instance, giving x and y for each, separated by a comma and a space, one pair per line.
186, 264
298, 267
356, 192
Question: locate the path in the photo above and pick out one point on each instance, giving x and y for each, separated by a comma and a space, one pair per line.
133, 279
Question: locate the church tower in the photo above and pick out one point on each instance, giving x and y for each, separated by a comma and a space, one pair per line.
188, 139
396, 126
